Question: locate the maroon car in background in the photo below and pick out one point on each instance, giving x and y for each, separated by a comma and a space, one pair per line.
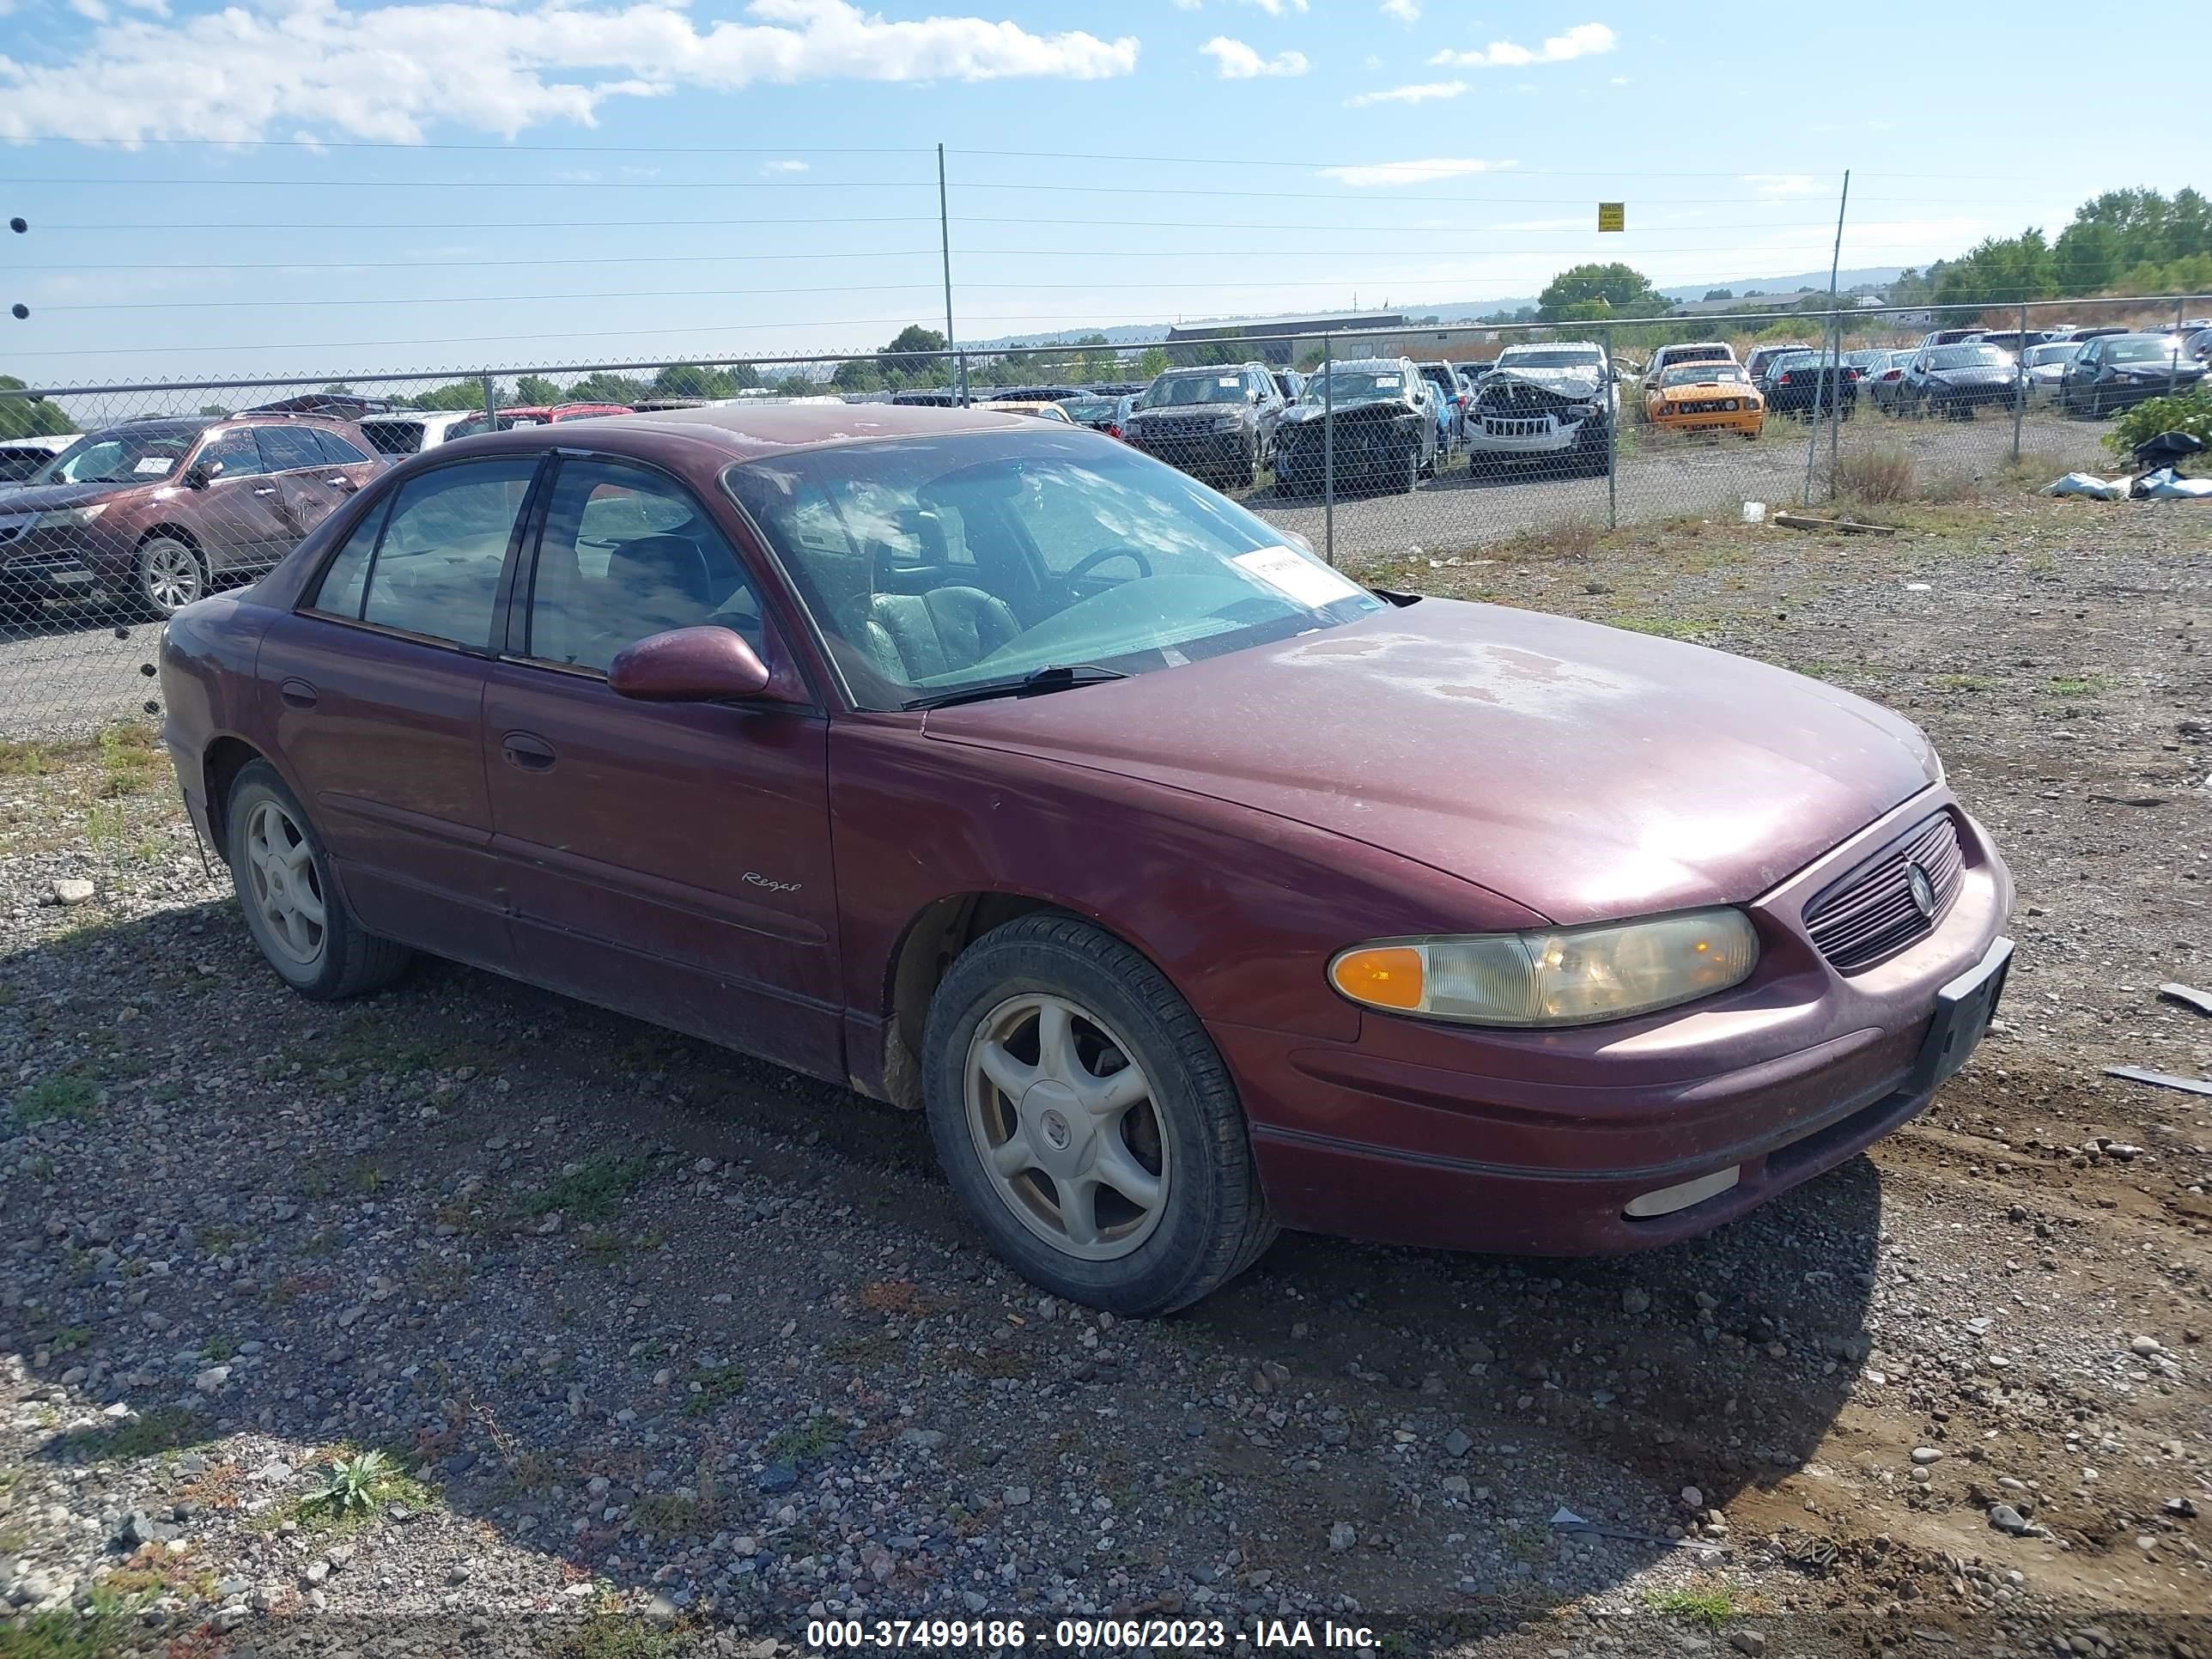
1000, 771
159, 510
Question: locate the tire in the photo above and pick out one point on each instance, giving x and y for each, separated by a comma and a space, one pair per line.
1207, 1221
168, 575
265, 825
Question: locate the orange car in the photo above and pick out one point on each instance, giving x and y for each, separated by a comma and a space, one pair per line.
1704, 398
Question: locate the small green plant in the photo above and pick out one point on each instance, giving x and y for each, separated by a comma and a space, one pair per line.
1711, 1605
69, 1339
357, 1486
592, 1192
1962, 683
95, 1630
2189, 412
164, 1429
2076, 685
810, 1438
67, 1098
613, 1632
1874, 476
717, 1386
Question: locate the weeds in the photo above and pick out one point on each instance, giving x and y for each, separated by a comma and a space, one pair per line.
711, 1388
810, 1438
2077, 685
68, 1098
1712, 1606
611, 1633
360, 1484
101, 1627
164, 1429
592, 1191
1874, 476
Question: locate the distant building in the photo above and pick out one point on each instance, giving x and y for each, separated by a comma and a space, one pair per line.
1271, 341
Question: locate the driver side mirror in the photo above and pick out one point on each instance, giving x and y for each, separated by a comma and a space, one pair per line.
687, 664
201, 474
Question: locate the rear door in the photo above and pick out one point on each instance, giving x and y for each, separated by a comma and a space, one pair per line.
375, 687
312, 485
671, 860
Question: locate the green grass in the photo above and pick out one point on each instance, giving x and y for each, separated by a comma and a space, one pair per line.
1962, 683
2077, 685
718, 1386
592, 1192
357, 1486
1712, 1606
164, 1429
810, 1438
105, 1626
67, 1098
664, 1516
610, 1632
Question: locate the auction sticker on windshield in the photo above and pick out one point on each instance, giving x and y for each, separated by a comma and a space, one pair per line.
1297, 577
155, 464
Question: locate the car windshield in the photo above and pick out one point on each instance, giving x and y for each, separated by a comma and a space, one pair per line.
2139, 351
120, 457
2039, 356
1551, 357
1180, 389
935, 564
1353, 386
1089, 408
1969, 356
1800, 359
1699, 373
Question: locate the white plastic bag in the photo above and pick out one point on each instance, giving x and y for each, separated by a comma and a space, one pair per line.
2087, 483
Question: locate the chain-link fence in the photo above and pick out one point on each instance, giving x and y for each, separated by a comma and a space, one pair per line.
118, 504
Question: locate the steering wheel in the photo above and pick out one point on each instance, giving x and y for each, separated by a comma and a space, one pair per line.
1084, 565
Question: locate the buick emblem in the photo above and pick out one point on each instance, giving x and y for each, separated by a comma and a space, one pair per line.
1056, 1132
1922, 891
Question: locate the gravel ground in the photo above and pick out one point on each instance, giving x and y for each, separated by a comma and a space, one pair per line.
670, 1351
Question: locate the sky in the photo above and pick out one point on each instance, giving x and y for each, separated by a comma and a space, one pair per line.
324, 186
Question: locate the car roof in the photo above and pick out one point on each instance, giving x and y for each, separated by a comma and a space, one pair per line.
747, 432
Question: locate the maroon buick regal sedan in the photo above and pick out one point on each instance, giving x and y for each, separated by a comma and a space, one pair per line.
1005, 773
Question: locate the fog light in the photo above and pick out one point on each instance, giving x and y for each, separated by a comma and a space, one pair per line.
1667, 1200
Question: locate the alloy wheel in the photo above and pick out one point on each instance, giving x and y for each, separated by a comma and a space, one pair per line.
281, 884
1067, 1126
170, 576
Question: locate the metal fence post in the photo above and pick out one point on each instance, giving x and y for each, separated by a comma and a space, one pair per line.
1612, 393
2020, 386
2174, 362
491, 406
1328, 446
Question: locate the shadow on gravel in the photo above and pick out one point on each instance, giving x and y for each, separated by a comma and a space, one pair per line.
647, 1311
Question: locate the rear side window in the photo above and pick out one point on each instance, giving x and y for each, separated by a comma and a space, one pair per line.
435, 570
337, 452
345, 578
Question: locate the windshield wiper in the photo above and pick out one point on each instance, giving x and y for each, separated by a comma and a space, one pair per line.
1054, 677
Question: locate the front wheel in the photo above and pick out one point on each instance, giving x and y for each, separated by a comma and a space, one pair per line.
1087, 1122
293, 908
169, 575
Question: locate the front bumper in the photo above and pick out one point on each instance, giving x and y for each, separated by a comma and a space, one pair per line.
1746, 421
1555, 438
58, 562
1195, 451
1539, 1142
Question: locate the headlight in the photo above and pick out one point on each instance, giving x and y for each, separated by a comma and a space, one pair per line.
1558, 976
1226, 423
1728, 403
67, 518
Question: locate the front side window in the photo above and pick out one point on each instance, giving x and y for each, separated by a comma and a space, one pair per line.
1069, 553
287, 448
231, 454
627, 554
435, 568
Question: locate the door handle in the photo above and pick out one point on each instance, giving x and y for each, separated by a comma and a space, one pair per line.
343, 483
266, 490
530, 753
297, 694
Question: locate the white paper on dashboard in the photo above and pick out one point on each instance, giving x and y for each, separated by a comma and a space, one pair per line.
1297, 577
155, 464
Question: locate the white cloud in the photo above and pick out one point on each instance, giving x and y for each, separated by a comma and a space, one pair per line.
1273, 8
1583, 40
1781, 183
1405, 11
1410, 173
783, 166
1427, 92
392, 70
1238, 61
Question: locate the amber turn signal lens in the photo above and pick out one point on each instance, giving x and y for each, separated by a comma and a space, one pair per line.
1382, 975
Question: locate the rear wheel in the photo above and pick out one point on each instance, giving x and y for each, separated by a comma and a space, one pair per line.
170, 574
293, 908
1087, 1122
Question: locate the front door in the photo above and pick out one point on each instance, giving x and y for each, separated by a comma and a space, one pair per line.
375, 687
240, 512
671, 860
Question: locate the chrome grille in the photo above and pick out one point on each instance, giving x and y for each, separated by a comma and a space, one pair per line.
1506, 426
1870, 913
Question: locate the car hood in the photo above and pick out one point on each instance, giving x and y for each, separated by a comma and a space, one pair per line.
1304, 413
1580, 383
40, 498
1178, 412
1587, 773
1980, 374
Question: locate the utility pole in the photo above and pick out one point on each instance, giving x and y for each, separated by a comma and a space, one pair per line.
1832, 373
944, 244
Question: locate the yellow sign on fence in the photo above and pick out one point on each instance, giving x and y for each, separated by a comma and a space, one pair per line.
1612, 216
